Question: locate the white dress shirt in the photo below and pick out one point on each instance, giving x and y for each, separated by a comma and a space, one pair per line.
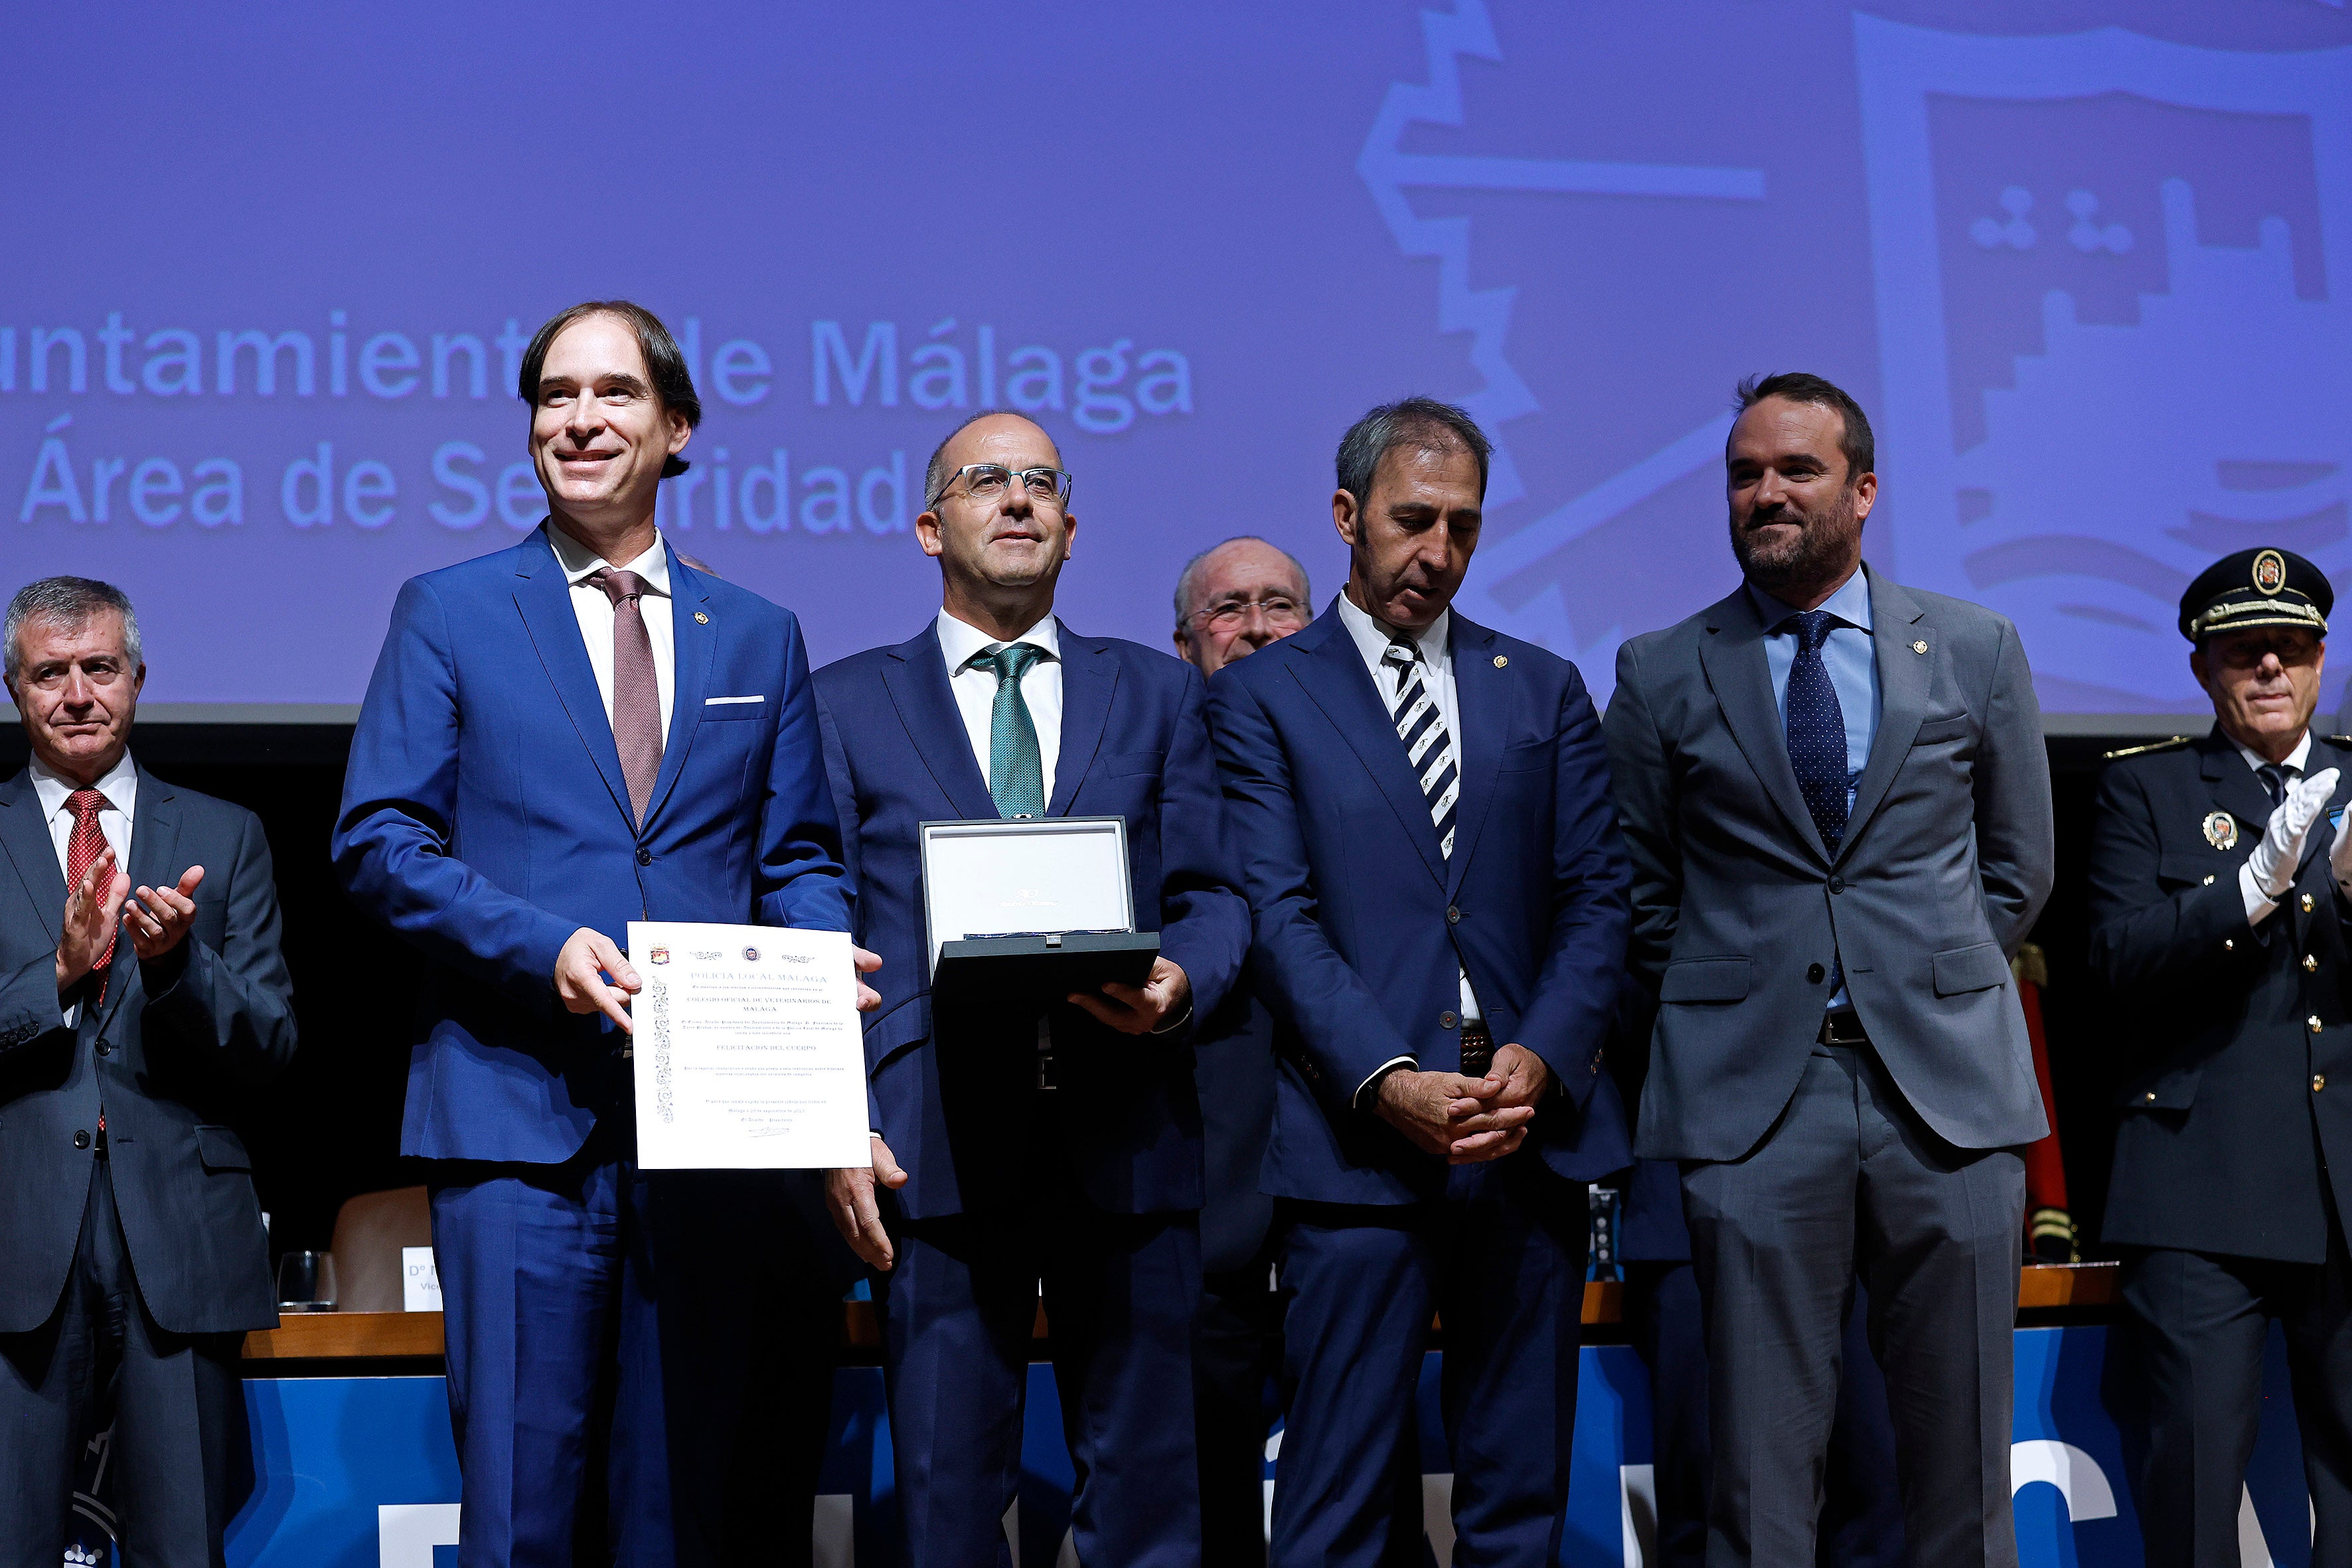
121, 788
593, 607
1435, 642
975, 688
2259, 904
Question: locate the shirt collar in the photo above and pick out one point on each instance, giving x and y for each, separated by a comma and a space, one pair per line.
959, 640
1850, 603
2296, 760
579, 563
1374, 636
119, 786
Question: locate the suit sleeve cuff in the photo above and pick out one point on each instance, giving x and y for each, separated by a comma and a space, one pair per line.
1366, 1091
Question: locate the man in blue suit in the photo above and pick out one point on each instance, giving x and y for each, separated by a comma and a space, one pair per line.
1009, 1153
1422, 810
553, 744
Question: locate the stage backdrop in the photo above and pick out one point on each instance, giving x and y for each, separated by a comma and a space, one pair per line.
270, 271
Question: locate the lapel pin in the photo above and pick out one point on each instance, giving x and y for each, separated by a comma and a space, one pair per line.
703, 620
1919, 646
1502, 659
2222, 830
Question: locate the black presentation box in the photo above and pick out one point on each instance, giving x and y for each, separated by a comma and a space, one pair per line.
1028, 972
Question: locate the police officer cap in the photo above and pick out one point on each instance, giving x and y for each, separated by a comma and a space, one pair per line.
2262, 588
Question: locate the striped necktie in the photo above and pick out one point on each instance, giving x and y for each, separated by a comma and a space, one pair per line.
1427, 746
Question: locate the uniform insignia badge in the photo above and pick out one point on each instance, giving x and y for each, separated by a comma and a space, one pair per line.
2222, 830
2270, 571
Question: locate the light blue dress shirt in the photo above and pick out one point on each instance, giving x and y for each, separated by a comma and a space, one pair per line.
1852, 665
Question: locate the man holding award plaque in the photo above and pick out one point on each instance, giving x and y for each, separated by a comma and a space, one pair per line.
1030, 819
1422, 808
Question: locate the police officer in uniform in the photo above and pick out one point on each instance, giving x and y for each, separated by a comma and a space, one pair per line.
2220, 890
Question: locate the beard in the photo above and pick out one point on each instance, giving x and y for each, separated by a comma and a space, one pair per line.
1824, 545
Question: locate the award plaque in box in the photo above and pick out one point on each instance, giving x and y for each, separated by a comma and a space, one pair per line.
1022, 911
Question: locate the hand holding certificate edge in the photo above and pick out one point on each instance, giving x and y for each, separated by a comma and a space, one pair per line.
593, 976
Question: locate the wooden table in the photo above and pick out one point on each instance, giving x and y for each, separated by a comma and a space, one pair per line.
355, 1336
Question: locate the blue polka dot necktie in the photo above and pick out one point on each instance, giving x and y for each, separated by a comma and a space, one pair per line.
1817, 727
1016, 769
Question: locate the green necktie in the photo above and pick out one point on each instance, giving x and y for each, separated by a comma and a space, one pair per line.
1016, 772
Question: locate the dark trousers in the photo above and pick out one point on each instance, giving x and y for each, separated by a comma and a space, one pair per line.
1850, 1181
1862, 1506
2186, 1378
959, 1307
176, 1402
554, 1360
1236, 1349
1503, 1258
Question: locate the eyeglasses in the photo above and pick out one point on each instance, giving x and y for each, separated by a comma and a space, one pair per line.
1280, 610
987, 481
2248, 650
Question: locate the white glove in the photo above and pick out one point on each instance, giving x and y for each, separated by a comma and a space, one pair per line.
2270, 870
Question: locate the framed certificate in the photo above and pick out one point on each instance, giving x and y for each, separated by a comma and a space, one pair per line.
1024, 911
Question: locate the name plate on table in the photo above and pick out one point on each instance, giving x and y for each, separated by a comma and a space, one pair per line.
748, 1052
1021, 912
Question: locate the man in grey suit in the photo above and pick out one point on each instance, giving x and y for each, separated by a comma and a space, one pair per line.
141, 998
1838, 805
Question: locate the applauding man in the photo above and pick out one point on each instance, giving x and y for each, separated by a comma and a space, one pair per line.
142, 995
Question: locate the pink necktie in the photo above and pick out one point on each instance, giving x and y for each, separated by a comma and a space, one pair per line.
636, 693
83, 846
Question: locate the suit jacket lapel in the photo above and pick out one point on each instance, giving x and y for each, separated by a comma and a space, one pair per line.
1733, 657
154, 863
1334, 676
1089, 676
915, 674
692, 643
24, 840
1897, 621
1483, 695
545, 601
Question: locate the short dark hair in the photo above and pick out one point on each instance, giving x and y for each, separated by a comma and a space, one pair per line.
1422, 422
1797, 386
69, 602
673, 382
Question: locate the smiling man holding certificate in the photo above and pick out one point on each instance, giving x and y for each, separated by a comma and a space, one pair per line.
1021, 1139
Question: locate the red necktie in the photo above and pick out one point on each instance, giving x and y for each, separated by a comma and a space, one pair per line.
636, 693
82, 850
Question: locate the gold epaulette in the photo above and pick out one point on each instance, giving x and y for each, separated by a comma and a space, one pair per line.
2151, 746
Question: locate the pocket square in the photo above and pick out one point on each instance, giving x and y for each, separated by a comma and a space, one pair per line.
719, 701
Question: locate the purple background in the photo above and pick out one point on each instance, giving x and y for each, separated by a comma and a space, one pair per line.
1185, 178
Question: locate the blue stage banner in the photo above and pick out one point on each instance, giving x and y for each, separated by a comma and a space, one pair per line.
360, 1472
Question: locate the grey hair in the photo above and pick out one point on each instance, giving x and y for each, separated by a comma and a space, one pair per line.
68, 601
935, 472
1192, 569
1423, 423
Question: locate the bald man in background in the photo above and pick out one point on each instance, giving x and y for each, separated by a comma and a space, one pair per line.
1232, 599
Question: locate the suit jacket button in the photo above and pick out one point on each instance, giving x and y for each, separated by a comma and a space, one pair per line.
1837, 884
1815, 973
1453, 916
645, 856
2314, 1022
2208, 882
2228, 944
2310, 965
2151, 1097
106, 1048
81, 1138
2306, 903
2319, 1081
1446, 1020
